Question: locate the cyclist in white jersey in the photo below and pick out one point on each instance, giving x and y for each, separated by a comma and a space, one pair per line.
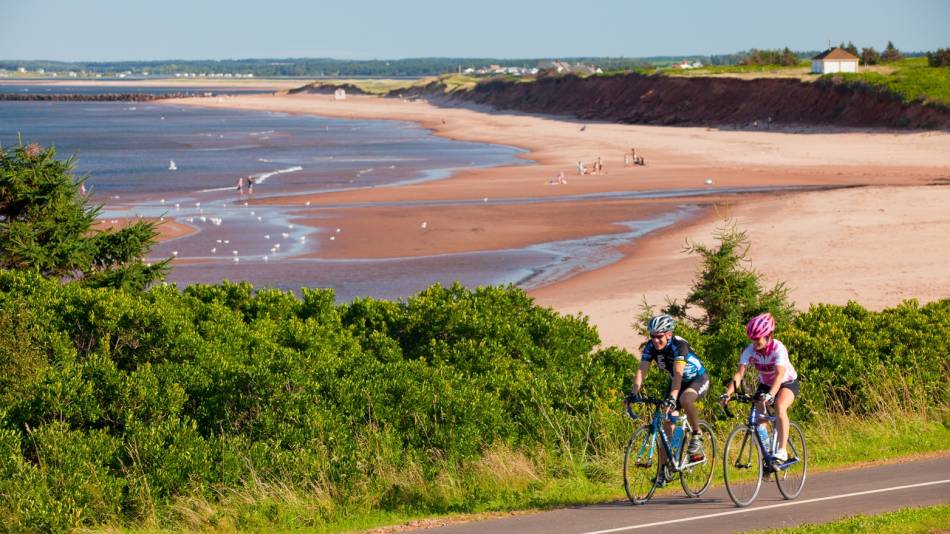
778, 381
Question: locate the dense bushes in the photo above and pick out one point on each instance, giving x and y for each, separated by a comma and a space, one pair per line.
120, 407
115, 402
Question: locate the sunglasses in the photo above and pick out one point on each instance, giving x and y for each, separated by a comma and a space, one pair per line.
658, 336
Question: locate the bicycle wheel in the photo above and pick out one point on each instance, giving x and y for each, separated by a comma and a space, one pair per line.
696, 476
641, 465
791, 480
742, 466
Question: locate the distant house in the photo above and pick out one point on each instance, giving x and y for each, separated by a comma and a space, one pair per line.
339, 94
834, 60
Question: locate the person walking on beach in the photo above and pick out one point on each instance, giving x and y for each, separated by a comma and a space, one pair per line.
250, 185
580, 168
240, 186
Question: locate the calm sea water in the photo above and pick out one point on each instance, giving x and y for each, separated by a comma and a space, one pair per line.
127, 148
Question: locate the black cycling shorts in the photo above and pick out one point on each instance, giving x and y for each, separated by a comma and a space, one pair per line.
791, 386
700, 384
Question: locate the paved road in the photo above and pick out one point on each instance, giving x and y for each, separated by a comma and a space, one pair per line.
826, 497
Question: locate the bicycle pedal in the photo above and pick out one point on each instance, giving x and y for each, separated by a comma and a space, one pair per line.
698, 457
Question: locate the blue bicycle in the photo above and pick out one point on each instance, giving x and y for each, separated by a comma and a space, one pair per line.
747, 455
647, 467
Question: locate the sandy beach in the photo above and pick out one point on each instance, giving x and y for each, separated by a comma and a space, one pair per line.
879, 243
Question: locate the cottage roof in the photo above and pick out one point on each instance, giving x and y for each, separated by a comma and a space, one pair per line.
836, 53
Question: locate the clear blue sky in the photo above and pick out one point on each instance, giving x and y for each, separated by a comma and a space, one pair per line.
104, 30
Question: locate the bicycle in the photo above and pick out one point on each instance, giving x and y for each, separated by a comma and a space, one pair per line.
746, 457
644, 472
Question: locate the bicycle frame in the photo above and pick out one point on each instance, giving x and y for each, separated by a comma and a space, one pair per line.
755, 418
657, 428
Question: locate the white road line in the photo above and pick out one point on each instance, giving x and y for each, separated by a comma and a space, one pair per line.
769, 507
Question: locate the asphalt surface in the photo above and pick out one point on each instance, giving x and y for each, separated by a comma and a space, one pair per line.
826, 497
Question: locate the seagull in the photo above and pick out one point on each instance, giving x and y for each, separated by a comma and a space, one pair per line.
174, 253
424, 224
308, 203
236, 259
332, 237
265, 257
219, 240
214, 250
290, 226
259, 218
234, 252
337, 230
285, 235
163, 201
252, 212
226, 241
267, 236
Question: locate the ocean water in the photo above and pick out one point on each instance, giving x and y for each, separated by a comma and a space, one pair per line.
127, 148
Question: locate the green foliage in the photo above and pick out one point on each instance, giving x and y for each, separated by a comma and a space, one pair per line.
850, 48
783, 57
726, 290
891, 53
940, 58
870, 56
115, 403
912, 80
225, 407
46, 225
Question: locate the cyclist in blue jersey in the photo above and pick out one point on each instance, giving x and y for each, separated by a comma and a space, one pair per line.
689, 380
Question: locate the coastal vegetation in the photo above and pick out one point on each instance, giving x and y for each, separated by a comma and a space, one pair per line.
911, 79
228, 407
46, 226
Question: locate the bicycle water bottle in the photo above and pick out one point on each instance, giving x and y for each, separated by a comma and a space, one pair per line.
678, 431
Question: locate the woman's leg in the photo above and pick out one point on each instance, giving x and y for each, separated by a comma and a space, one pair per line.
783, 401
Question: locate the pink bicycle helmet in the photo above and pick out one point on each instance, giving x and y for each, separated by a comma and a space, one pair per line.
760, 326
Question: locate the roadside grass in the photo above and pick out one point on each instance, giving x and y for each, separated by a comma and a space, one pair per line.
905, 521
505, 480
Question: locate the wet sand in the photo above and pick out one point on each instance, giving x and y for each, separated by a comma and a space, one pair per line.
829, 246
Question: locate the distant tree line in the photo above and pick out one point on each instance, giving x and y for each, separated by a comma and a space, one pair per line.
417, 67
784, 57
870, 56
940, 58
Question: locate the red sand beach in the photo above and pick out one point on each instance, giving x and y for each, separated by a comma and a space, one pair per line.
877, 244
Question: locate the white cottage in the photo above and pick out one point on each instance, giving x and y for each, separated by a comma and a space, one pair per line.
834, 60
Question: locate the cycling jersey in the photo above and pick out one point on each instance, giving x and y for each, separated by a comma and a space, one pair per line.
677, 350
765, 363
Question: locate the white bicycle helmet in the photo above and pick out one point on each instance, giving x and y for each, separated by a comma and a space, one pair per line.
660, 323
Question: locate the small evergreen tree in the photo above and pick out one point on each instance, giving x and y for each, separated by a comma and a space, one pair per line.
46, 225
851, 48
727, 291
870, 56
891, 53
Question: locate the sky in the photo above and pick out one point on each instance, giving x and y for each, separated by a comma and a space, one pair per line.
99, 30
